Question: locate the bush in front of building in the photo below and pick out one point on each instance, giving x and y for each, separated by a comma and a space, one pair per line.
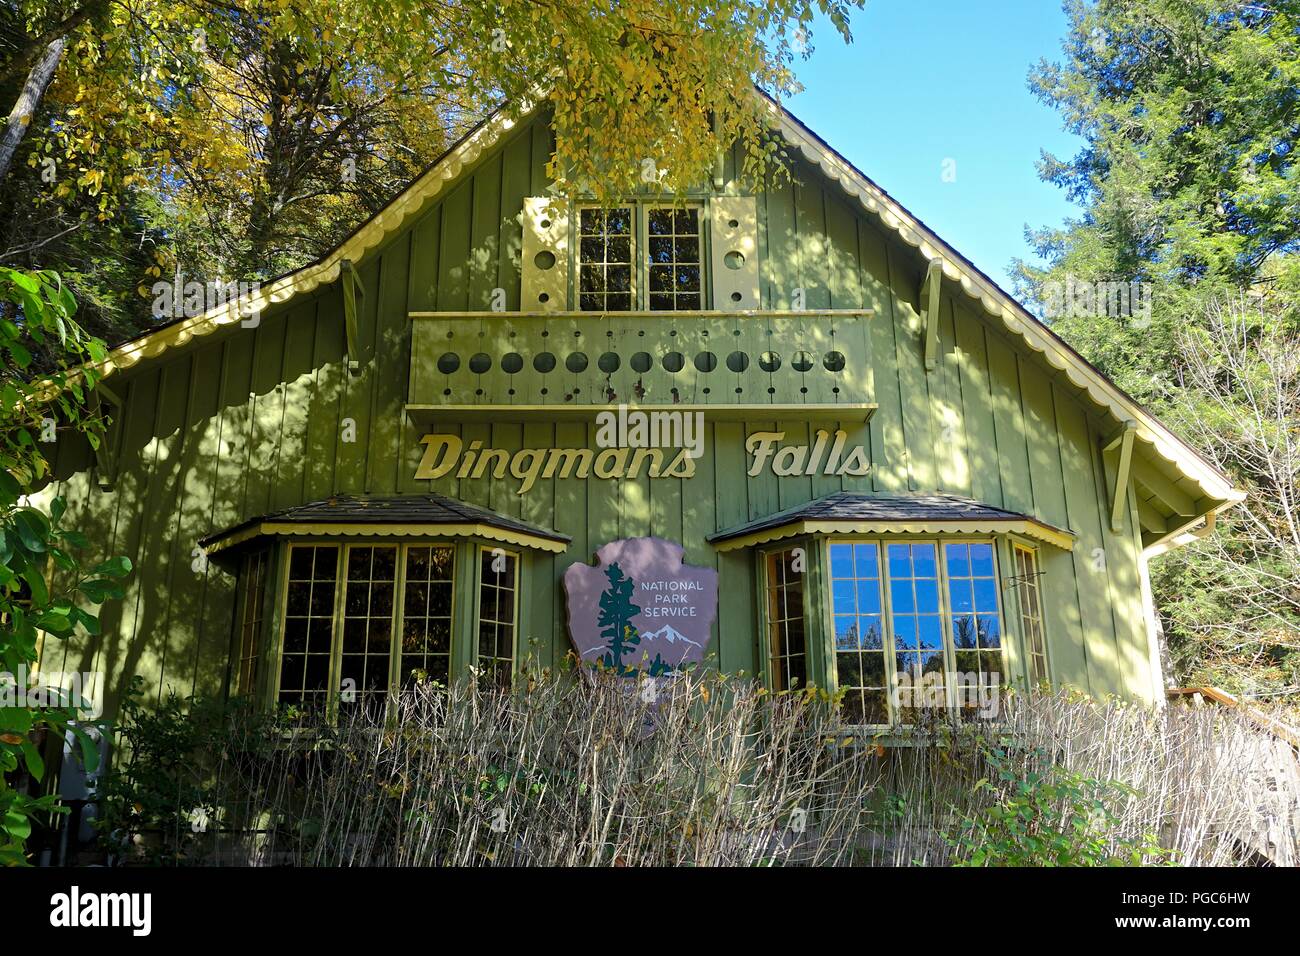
706, 770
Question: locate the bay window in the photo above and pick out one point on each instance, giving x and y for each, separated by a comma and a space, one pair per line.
1031, 612
910, 626
360, 621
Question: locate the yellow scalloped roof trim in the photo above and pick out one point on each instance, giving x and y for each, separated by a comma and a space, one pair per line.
371, 234
442, 530
1014, 317
1028, 528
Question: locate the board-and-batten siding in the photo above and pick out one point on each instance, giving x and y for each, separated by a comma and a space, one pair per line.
253, 420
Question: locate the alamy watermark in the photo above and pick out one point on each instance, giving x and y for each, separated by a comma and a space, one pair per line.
1074, 298
181, 299
633, 428
55, 689
980, 693
77, 909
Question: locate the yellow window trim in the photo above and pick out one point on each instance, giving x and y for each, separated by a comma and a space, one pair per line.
331, 530
1026, 527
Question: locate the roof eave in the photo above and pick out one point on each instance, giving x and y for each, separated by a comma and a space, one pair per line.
485, 529
996, 302
1025, 527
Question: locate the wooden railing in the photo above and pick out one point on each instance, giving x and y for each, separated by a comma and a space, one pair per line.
1260, 719
1274, 835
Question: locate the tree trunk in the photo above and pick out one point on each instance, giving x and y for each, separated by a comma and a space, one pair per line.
29, 100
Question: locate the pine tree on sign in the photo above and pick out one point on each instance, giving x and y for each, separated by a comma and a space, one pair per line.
616, 613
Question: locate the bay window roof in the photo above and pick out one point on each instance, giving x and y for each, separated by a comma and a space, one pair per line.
855, 512
425, 515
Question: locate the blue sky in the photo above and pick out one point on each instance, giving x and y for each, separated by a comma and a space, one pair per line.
927, 81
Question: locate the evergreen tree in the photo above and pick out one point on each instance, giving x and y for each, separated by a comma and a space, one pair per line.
1189, 112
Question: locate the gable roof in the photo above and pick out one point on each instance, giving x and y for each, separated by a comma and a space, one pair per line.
400, 210
1014, 317
997, 303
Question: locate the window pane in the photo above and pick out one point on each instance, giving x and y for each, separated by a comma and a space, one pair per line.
844, 596
901, 594
869, 596
929, 632
860, 654
309, 627
496, 615
959, 595
846, 632
605, 260
841, 560
927, 594
426, 614
673, 254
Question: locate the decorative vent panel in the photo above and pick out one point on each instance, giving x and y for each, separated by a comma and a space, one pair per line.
583, 359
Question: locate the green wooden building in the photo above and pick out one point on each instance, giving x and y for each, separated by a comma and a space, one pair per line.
383, 464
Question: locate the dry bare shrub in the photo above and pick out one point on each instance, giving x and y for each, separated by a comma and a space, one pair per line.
714, 771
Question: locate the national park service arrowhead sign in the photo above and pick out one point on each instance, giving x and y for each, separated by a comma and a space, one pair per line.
641, 607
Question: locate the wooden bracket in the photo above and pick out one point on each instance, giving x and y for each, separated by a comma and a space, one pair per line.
106, 453
1123, 440
352, 287
930, 311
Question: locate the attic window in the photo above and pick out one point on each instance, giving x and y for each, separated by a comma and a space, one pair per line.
673, 238
638, 257
605, 259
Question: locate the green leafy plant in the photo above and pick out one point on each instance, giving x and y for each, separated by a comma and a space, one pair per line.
36, 317
1046, 815
159, 800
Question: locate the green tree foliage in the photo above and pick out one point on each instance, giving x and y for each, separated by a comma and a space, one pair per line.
1049, 816
36, 312
1187, 179
238, 140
